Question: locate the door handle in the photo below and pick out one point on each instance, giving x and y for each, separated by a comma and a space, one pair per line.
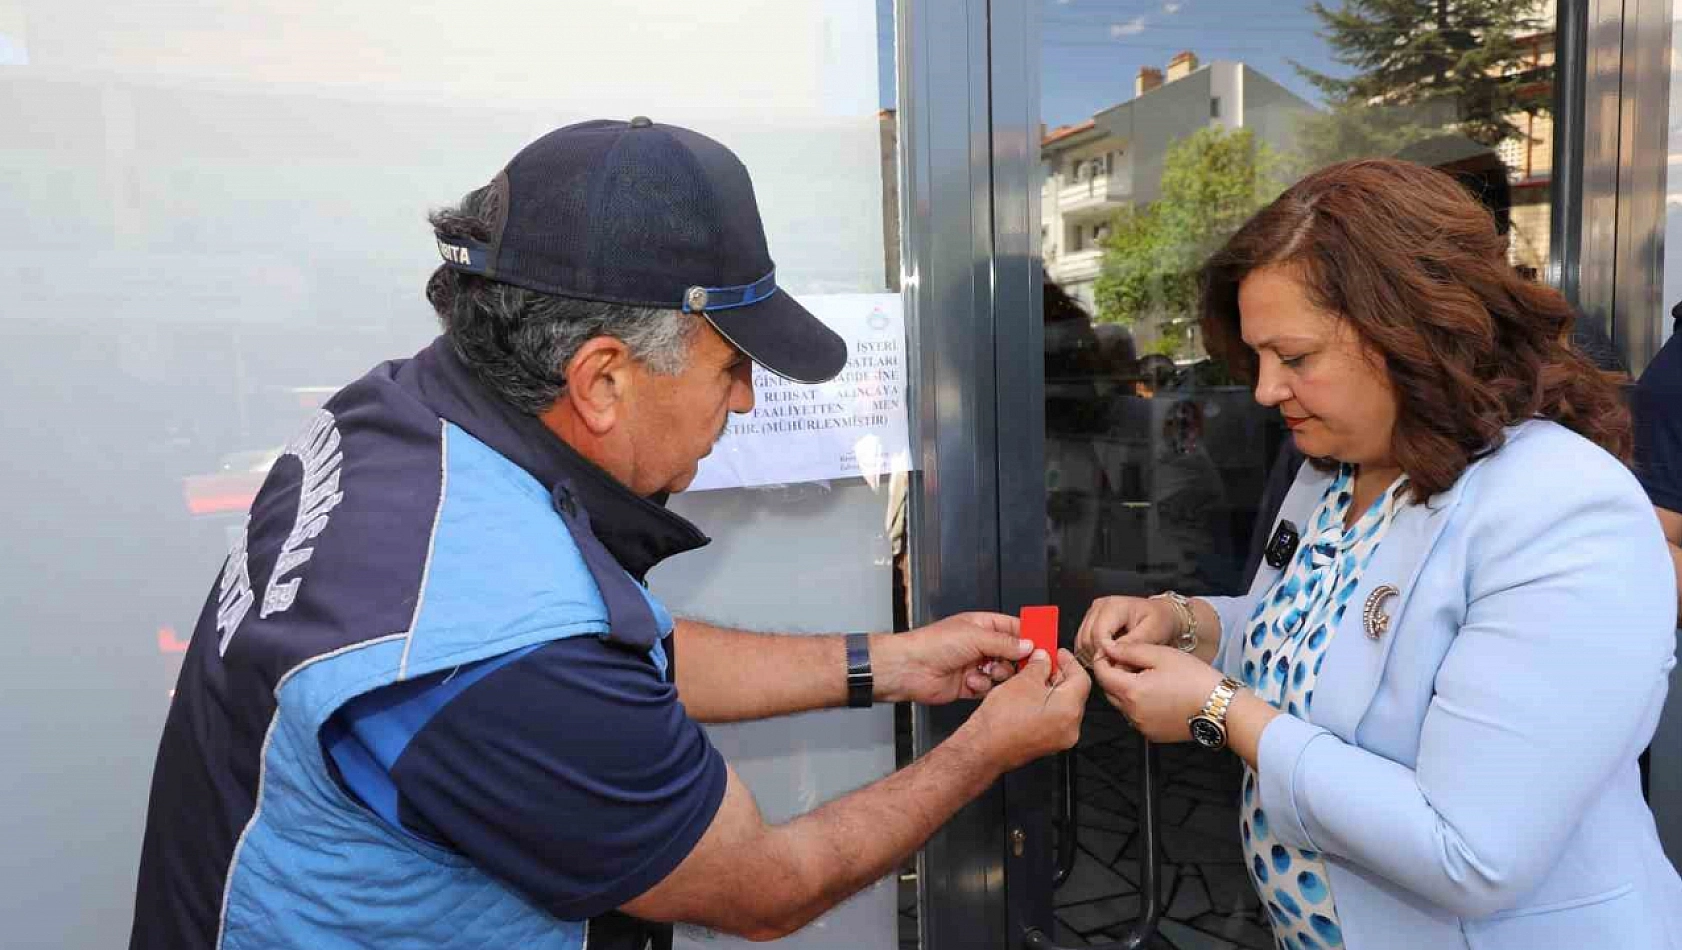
1150, 891
1067, 820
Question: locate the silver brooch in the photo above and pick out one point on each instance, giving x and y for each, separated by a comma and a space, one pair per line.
1373, 616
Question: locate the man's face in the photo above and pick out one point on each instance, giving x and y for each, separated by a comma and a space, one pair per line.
676, 420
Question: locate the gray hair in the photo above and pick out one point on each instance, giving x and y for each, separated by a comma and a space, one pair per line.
518, 341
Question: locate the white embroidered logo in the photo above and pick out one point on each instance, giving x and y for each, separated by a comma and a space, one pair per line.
317, 449
455, 254
234, 596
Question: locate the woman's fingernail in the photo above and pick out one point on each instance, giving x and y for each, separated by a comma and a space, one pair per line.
1023, 646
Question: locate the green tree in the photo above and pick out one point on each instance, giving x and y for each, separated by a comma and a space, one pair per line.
1422, 68
1212, 182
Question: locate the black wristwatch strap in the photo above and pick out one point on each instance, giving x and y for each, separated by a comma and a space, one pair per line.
861, 685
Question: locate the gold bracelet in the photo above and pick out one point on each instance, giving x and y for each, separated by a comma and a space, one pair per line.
1187, 639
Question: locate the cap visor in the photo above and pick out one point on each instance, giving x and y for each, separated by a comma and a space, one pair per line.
782, 336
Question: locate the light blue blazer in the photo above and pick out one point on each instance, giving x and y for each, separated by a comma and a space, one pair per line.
1470, 774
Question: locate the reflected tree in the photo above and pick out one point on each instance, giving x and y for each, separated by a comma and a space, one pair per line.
1212, 182
1420, 68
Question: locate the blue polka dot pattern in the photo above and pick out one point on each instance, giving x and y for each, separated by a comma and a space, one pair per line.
1281, 860
1289, 635
1328, 930
1311, 887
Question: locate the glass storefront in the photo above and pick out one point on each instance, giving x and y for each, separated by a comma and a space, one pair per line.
221, 220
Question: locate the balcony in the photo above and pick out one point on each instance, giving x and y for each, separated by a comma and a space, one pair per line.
1100, 193
1075, 267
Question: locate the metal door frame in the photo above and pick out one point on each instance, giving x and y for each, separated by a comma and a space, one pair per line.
1611, 159
946, 220
968, 77
1610, 162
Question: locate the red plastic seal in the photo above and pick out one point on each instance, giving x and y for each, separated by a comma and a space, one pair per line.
1039, 624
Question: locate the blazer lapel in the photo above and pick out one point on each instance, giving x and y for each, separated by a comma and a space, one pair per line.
1354, 660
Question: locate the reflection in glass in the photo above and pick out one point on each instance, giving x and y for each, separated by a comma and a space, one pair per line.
1158, 460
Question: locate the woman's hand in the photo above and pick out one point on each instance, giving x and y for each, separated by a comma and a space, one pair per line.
1157, 688
1130, 619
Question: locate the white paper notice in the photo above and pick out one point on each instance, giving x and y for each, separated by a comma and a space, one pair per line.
854, 425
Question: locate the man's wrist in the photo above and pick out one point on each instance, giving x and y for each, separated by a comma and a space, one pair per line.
972, 750
886, 667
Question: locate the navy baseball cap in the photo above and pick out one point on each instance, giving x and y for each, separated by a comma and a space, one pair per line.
648, 215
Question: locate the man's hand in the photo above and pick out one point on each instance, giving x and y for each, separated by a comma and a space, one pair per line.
1033, 715
960, 657
763, 882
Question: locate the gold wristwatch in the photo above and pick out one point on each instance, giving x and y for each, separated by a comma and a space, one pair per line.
1208, 727
1187, 640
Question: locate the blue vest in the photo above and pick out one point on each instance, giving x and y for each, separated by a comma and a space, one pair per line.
387, 544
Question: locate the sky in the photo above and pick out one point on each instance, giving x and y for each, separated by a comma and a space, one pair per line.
1091, 50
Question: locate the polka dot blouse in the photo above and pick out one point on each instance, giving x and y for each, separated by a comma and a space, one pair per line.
1284, 646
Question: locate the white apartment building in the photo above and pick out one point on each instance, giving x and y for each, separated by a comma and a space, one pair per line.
1114, 159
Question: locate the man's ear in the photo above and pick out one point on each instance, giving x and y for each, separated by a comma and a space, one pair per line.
599, 379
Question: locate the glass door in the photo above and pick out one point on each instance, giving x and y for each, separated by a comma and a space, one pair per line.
1165, 126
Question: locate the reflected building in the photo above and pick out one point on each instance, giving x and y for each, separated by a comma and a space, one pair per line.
1114, 160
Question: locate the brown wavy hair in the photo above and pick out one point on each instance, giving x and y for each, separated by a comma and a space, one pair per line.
1414, 264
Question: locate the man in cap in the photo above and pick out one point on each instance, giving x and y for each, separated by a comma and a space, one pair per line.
429, 701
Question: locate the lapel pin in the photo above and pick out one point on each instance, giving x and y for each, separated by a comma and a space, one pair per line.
1373, 616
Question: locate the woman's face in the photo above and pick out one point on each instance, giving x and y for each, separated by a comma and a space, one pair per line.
1330, 387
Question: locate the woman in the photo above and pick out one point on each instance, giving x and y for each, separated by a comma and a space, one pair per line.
1440, 692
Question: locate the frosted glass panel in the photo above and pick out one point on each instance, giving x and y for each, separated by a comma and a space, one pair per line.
218, 217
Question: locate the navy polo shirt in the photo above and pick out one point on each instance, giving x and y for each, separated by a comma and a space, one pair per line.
569, 770
1658, 427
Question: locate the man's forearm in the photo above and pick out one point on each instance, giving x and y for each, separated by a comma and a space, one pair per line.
730, 675
844, 846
